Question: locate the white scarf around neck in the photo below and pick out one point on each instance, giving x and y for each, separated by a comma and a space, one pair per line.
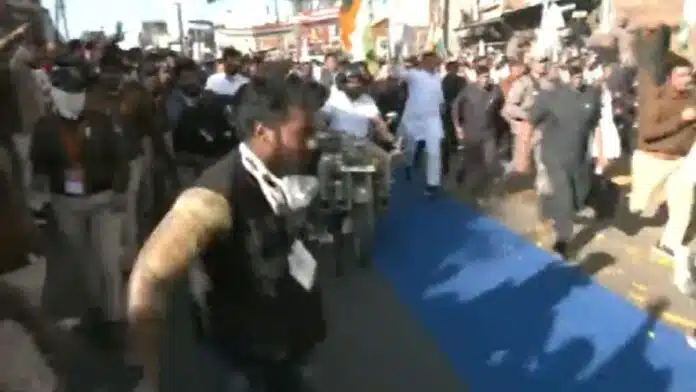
286, 195
290, 193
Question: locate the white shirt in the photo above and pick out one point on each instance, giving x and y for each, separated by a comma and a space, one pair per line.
221, 83
498, 74
592, 75
425, 93
470, 74
350, 116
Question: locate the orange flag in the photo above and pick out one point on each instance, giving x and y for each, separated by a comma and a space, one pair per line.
346, 22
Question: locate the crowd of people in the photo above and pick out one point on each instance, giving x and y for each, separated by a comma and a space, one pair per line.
151, 165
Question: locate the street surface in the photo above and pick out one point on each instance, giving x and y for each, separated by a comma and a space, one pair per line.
630, 269
374, 345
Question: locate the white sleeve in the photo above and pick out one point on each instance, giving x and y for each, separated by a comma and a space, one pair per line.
327, 109
371, 109
210, 83
328, 105
401, 72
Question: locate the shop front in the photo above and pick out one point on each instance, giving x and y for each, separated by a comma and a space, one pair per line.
316, 32
499, 20
273, 37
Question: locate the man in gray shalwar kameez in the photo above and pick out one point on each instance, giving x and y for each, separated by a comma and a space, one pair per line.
567, 115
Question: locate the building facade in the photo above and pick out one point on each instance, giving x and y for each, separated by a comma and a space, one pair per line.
496, 21
155, 33
316, 32
240, 38
278, 36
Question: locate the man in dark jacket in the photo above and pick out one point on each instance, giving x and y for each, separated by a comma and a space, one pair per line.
79, 158
475, 114
452, 84
263, 311
567, 115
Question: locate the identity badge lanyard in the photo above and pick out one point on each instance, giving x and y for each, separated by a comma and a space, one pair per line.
302, 264
74, 181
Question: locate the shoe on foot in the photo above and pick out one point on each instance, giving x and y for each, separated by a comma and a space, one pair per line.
561, 248
691, 339
683, 271
663, 250
432, 191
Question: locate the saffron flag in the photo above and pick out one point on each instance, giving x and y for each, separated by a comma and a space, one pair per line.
346, 22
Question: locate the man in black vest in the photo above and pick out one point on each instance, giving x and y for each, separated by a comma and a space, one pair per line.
263, 313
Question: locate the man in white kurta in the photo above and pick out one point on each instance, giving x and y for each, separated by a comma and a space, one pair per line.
421, 118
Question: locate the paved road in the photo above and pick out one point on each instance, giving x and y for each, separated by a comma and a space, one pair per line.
634, 271
374, 346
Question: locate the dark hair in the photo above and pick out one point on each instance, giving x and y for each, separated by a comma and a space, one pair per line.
230, 52
184, 64
574, 70
134, 54
269, 101
148, 68
75, 44
330, 55
112, 57
482, 69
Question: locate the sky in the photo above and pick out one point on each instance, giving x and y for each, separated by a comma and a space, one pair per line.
91, 15
86, 15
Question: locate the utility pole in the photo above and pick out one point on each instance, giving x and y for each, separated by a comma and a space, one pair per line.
277, 11
180, 22
60, 19
446, 24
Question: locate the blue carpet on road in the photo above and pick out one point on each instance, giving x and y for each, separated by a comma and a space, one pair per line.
511, 318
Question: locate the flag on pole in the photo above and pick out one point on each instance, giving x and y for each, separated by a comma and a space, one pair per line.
361, 38
346, 22
435, 33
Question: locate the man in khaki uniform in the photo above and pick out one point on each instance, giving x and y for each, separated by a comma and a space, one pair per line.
518, 101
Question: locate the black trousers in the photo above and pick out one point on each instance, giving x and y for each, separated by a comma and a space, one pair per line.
449, 144
271, 376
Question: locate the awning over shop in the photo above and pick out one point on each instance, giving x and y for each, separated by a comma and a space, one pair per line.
478, 24
494, 27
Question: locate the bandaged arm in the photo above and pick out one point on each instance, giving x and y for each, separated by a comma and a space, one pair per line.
197, 216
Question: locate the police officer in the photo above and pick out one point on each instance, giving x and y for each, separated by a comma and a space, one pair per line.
263, 307
79, 157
